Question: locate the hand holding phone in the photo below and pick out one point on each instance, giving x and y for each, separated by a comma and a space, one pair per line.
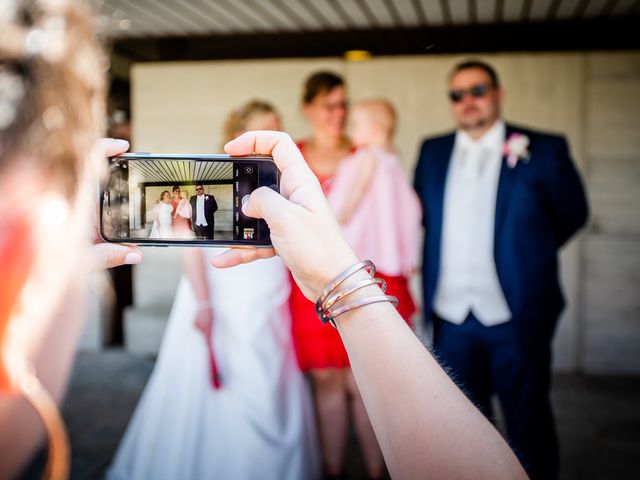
303, 229
173, 199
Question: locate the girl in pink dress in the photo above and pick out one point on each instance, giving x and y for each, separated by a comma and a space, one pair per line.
377, 208
182, 217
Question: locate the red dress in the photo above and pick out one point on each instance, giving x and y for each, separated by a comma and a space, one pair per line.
318, 345
181, 224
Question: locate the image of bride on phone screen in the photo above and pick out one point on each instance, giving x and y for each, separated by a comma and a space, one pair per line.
162, 217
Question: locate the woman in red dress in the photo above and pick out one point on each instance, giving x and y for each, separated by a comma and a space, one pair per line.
175, 200
318, 346
182, 217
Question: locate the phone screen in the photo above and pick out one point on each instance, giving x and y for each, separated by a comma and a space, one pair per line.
184, 199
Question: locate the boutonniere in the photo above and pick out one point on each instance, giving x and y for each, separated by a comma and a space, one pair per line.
516, 148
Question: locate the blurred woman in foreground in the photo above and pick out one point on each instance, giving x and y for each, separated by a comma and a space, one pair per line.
51, 114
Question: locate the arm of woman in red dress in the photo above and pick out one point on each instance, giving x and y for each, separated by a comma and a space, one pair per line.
425, 425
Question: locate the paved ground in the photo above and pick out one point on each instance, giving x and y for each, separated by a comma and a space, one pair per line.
598, 419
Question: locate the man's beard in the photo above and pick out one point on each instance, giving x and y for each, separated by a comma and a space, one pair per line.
479, 124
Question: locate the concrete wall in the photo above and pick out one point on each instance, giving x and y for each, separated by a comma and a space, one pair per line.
611, 262
592, 98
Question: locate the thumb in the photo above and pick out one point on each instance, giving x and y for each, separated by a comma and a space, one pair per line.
112, 146
267, 204
109, 255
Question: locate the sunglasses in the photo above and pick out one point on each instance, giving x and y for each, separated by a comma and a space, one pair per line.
477, 91
199, 189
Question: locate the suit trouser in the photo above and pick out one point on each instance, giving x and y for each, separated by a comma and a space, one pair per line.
203, 232
487, 360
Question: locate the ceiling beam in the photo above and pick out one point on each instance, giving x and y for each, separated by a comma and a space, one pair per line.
612, 33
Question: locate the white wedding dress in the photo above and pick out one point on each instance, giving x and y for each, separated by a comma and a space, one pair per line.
162, 221
260, 424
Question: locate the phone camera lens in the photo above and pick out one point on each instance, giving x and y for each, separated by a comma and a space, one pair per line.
248, 169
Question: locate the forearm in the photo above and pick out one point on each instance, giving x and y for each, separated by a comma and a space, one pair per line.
425, 425
195, 269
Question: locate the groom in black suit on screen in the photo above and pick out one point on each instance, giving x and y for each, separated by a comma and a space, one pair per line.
203, 208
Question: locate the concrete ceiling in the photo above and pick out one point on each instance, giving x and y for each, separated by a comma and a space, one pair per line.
183, 18
174, 30
179, 171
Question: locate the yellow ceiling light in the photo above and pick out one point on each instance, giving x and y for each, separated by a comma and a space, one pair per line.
357, 55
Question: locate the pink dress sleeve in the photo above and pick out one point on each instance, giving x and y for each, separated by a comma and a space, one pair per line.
184, 209
385, 227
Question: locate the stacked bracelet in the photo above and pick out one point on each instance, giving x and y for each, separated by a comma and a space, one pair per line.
326, 301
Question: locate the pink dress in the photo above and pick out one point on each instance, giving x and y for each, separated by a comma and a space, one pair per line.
385, 226
182, 220
319, 345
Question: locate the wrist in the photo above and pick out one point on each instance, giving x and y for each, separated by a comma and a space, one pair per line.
203, 305
354, 288
363, 317
339, 263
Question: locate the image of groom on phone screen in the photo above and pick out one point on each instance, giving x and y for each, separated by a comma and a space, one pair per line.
203, 208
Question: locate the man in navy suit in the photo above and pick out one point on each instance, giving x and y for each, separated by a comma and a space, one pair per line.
499, 202
203, 208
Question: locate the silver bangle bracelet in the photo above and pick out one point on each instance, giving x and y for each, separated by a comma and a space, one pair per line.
360, 303
326, 302
329, 302
333, 284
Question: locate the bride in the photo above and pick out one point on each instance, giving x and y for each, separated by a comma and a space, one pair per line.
162, 217
226, 398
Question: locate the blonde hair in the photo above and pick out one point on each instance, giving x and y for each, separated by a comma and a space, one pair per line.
381, 112
238, 119
51, 86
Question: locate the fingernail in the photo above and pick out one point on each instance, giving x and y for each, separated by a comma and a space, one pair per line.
121, 142
132, 258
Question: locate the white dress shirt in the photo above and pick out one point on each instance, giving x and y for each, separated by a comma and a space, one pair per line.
201, 219
468, 280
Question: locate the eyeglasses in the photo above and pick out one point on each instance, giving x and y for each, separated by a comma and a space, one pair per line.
199, 189
331, 107
477, 91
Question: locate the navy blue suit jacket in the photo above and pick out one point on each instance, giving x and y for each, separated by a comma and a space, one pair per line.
541, 203
210, 208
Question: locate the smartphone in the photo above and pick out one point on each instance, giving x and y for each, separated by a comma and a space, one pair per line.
175, 199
